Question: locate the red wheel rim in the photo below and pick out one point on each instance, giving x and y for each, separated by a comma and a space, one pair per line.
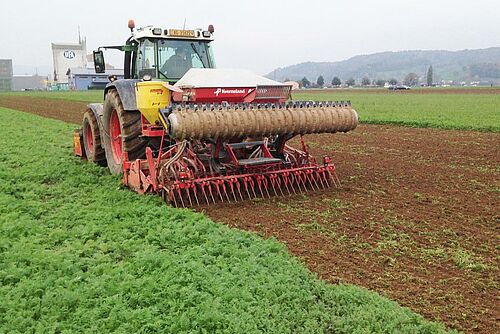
115, 134
89, 137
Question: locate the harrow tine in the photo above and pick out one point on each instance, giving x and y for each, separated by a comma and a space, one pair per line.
245, 183
204, 192
307, 179
172, 196
195, 195
299, 182
334, 178
337, 178
252, 186
273, 181
216, 184
260, 187
325, 173
311, 176
211, 193
319, 173
219, 191
296, 179
249, 184
180, 195
265, 184
231, 187
303, 178
223, 185
292, 181
330, 177
278, 184
238, 186
189, 195
285, 182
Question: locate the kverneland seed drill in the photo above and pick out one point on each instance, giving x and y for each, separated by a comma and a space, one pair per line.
194, 134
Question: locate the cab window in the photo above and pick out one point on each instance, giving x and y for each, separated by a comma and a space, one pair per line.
146, 64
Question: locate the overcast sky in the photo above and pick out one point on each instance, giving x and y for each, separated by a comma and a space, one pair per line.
259, 35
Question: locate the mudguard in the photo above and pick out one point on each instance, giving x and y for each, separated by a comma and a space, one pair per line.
126, 91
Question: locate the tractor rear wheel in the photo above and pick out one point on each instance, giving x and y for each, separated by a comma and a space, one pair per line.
92, 139
123, 133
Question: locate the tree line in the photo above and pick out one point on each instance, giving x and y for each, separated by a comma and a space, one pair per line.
411, 79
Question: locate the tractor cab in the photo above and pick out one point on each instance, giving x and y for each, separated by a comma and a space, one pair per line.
162, 54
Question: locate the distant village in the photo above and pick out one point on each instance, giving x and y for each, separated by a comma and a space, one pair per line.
73, 70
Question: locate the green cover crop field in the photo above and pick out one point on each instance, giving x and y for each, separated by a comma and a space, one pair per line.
464, 109
470, 110
80, 253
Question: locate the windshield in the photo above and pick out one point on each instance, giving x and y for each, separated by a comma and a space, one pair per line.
176, 57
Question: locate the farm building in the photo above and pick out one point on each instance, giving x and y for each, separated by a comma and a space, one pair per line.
86, 78
5, 74
66, 56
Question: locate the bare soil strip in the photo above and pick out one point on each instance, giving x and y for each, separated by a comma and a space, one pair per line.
417, 218
64, 110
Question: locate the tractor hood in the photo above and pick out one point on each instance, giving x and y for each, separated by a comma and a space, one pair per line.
227, 85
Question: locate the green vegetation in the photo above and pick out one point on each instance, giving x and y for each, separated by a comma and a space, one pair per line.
80, 253
447, 111
465, 260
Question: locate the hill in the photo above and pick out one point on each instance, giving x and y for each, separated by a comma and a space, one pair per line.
464, 65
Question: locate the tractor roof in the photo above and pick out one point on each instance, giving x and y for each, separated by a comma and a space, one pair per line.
152, 32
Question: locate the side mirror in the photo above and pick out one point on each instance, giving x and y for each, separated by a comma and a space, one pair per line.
99, 64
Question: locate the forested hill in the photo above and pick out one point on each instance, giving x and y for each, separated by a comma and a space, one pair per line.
464, 65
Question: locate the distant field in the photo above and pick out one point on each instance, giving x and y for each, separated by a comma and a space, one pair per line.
470, 108
440, 109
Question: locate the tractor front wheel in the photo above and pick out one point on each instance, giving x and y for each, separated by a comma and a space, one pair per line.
123, 133
92, 139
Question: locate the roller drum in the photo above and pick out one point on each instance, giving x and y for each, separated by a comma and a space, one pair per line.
232, 122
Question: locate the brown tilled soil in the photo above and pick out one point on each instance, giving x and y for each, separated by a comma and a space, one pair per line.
68, 111
417, 218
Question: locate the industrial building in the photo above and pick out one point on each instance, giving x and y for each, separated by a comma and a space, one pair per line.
29, 82
66, 56
5, 74
86, 78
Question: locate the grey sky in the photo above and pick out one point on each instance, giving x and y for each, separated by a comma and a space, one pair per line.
258, 35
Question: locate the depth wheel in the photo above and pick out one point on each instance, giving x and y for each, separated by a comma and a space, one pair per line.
92, 139
123, 133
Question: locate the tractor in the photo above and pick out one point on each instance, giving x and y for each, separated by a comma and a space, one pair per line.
179, 127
